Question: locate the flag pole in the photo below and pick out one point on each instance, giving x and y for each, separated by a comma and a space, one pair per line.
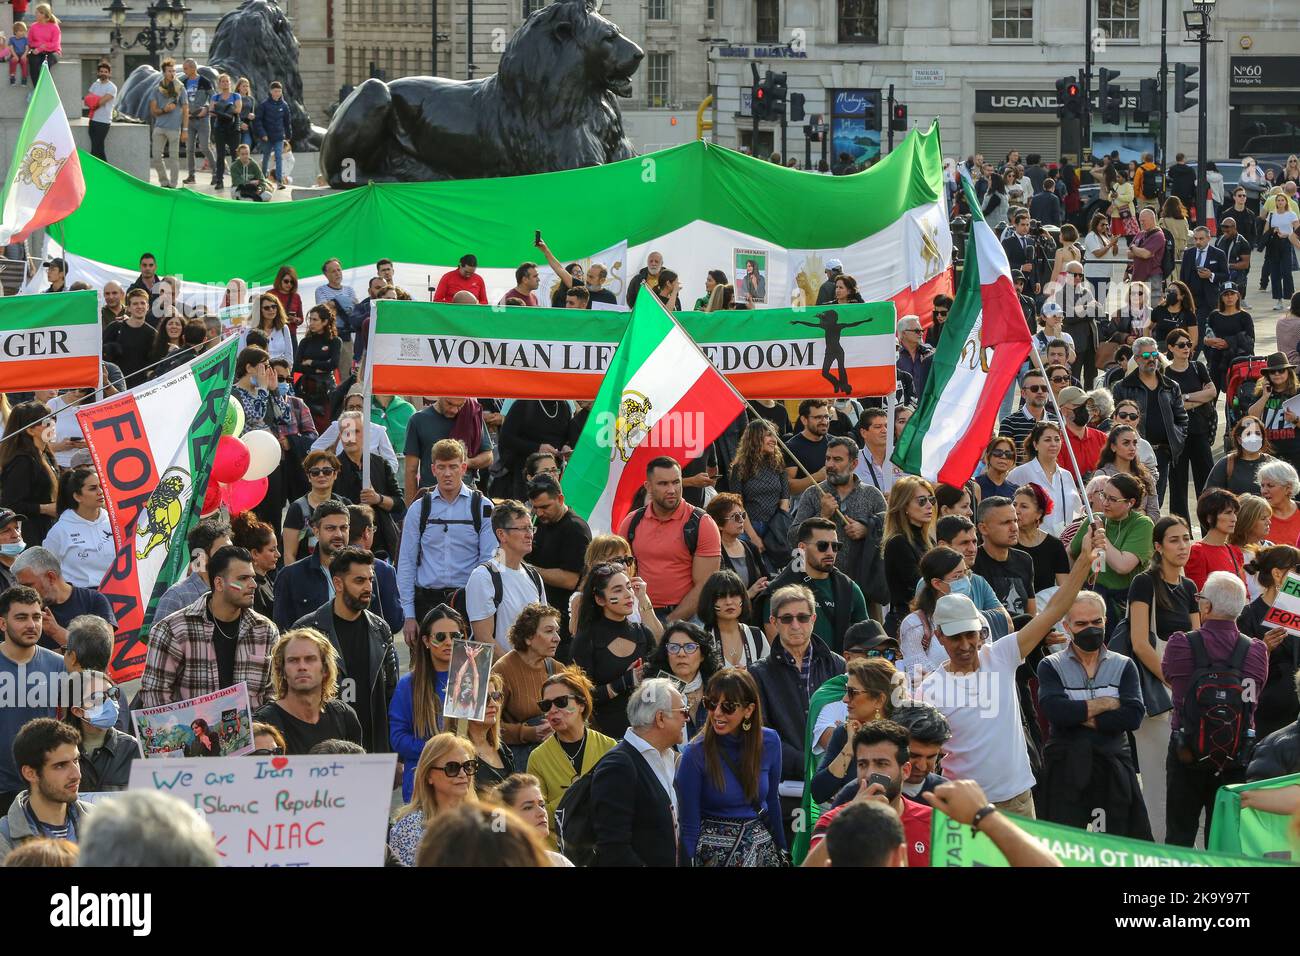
367, 387
1065, 436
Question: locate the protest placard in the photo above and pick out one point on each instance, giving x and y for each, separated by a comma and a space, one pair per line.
215, 725
470, 668
284, 811
1285, 611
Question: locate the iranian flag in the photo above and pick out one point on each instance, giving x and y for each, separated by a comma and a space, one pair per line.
984, 343
45, 183
660, 396
153, 449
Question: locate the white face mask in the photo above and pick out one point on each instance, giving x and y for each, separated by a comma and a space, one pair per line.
1252, 441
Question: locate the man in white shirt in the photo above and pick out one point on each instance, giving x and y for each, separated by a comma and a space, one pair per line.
874, 469
976, 692
101, 117
500, 588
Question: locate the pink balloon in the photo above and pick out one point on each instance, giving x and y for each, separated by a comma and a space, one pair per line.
212, 497
231, 460
242, 495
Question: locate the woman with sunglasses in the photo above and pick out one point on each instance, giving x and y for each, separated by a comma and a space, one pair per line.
999, 459
415, 712
267, 740
495, 761
1128, 544
1229, 334
1278, 704
739, 556
728, 799
1051, 563
690, 657
573, 748
1042, 449
1216, 510
285, 289
1269, 398
1120, 457
909, 533
611, 549
609, 647
522, 793
758, 476
725, 612
272, 321
322, 470
443, 782
869, 692
1238, 471
534, 640
1103, 257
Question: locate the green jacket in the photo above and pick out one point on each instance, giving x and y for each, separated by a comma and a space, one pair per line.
241, 174
393, 419
828, 693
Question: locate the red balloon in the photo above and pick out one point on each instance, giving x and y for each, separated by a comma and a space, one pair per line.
231, 460
212, 497
243, 495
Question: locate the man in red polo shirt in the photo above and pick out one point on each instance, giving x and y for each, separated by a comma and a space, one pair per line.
673, 571
880, 747
1086, 441
464, 277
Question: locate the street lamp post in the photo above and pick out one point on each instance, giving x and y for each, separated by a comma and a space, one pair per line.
1197, 22
165, 30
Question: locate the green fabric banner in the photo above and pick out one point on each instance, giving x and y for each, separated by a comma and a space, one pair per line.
1253, 833
955, 844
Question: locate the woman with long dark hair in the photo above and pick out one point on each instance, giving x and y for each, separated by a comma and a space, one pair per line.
256, 388
1199, 395
689, 655
169, 338
415, 712
943, 571
846, 290
725, 611
1161, 602
1120, 457
28, 472
285, 289
609, 647
1229, 333
272, 321
1042, 448
715, 278
758, 476
909, 534
82, 538
729, 805
316, 362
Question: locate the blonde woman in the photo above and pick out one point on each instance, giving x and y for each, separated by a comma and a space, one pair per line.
909, 534
44, 42
495, 762
1251, 534
1174, 218
613, 549
443, 782
306, 708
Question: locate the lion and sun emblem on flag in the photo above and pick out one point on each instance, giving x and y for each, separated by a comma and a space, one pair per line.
40, 166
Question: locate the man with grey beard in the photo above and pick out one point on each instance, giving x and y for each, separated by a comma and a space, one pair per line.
842, 498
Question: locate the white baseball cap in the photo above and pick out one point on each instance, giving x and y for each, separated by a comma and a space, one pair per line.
955, 614
834, 265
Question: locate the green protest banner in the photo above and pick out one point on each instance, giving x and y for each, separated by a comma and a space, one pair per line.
1253, 833
955, 844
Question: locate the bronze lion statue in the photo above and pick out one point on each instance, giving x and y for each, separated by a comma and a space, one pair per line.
253, 40
551, 105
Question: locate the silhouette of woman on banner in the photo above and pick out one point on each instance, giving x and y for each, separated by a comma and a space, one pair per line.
829, 323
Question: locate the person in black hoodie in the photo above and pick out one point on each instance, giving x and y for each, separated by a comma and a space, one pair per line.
28, 470
799, 663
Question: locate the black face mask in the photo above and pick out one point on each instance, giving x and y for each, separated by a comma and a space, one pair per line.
1172, 298
1081, 416
1089, 639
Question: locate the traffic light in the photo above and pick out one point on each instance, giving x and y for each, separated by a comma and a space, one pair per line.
1148, 100
759, 105
1110, 100
1069, 97
777, 86
1182, 73
796, 107
898, 119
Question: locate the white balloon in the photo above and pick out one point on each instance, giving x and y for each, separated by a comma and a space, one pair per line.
263, 454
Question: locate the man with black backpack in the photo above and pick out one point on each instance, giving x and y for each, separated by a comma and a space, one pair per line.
1148, 183
446, 534
1215, 676
676, 545
503, 586
1181, 181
